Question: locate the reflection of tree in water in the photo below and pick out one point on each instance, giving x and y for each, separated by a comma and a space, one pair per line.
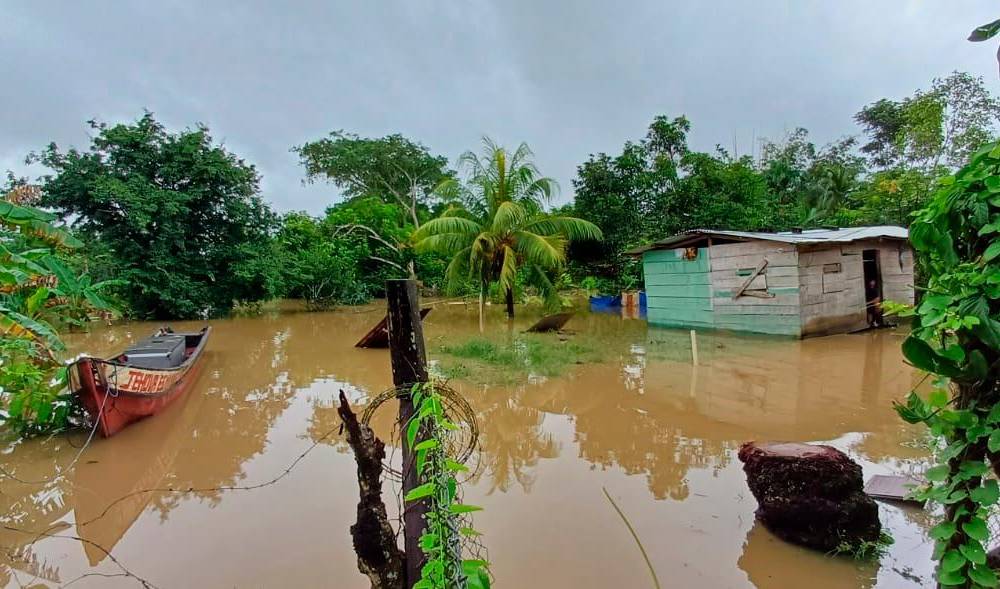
242, 398
510, 444
31, 507
27, 562
511, 439
769, 562
647, 441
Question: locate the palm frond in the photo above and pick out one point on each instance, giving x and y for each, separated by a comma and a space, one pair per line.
522, 157
544, 251
542, 189
571, 228
444, 243
446, 225
550, 294
483, 247
457, 271
508, 270
508, 217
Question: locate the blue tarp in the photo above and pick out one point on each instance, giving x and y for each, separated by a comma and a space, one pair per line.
606, 302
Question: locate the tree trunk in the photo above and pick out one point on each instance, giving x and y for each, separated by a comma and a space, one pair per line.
379, 558
409, 366
510, 303
482, 307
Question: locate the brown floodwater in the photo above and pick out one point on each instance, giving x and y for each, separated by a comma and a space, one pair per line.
636, 417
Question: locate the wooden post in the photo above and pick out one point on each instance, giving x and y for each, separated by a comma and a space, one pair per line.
694, 348
409, 366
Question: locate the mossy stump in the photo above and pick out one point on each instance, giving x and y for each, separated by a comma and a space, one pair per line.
811, 495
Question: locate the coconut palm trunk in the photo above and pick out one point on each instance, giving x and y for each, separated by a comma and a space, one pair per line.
510, 303
482, 307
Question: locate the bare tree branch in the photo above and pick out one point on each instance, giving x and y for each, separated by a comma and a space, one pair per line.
351, 227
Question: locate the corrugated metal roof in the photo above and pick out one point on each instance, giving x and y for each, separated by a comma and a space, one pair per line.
807, 236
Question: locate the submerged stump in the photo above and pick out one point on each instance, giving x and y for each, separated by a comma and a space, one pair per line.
811, 495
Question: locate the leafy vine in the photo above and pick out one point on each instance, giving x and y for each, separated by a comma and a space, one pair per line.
442, 541
956, 337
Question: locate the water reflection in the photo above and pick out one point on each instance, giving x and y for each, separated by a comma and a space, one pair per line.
646, 418
762, 550
512, 439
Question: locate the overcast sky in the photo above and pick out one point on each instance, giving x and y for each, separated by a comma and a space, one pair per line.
569, 77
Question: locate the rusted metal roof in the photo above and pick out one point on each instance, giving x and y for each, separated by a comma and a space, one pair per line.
806, 236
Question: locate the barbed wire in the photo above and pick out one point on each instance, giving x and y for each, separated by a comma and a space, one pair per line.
460, 448
125, 570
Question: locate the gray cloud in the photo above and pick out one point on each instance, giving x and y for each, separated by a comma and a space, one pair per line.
569, 77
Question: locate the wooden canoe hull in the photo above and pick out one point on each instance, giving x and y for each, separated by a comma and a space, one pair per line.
116, 395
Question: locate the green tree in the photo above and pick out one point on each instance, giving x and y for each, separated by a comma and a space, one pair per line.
719, 191
607, 195
627, 196
392, 168
939, 126
885, 197
181, 216
317, 267
498, 224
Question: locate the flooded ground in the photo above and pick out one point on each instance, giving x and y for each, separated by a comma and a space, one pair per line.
637, 418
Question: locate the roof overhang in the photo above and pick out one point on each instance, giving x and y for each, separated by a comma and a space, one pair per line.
806, 237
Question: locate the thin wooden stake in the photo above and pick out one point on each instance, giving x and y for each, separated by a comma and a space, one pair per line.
694, 347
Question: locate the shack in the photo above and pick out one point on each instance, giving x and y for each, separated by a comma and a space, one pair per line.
798, 283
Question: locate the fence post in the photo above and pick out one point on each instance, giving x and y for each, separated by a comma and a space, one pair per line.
409, 366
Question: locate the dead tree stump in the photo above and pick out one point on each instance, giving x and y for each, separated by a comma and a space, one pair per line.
379, 558
810, 495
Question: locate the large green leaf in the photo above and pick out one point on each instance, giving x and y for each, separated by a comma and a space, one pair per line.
987, 329
983, 576
923, 356
68, 282
985, 32
16, 215
15, 324
976, 528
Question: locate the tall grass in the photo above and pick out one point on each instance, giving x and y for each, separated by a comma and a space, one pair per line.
527, 355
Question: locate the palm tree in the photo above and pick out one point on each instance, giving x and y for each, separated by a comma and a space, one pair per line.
826, 189
497, 224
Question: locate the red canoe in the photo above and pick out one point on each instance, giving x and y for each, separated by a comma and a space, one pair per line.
140, 381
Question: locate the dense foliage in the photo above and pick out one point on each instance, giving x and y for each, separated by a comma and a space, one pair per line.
38, 295
181, 217
346, 256
956, 337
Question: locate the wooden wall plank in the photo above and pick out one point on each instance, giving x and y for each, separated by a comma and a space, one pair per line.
677, 279
729, 250
751, 261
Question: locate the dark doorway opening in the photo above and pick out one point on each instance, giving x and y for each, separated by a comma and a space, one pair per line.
873, 287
